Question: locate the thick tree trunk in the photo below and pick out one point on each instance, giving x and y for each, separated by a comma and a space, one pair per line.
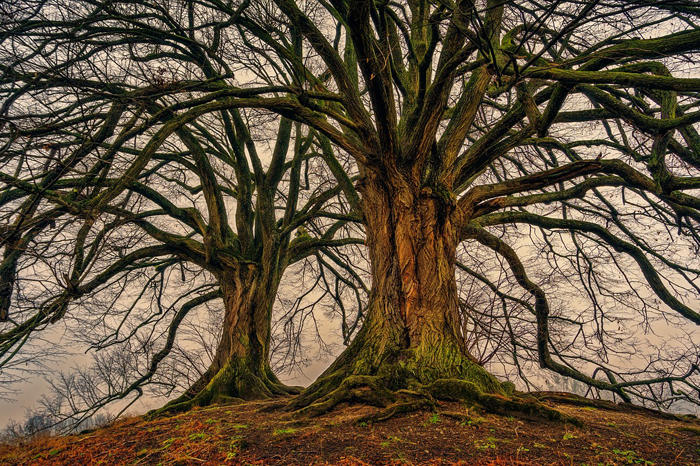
412, 333
240, 368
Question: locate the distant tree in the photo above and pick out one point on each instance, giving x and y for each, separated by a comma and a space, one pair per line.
41, 423
135, 191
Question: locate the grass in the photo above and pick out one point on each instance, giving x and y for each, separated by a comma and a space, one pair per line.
245, 435
632, 457
286, 431
489, 443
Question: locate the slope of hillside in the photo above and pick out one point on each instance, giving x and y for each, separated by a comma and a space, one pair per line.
263, 434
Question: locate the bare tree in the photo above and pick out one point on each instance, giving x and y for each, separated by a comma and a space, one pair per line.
482, 126
136, 192
568, 126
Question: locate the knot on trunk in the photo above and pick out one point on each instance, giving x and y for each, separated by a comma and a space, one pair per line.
443, 203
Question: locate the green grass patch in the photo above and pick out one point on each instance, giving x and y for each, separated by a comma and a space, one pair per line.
631, 457
287, 431
489, 443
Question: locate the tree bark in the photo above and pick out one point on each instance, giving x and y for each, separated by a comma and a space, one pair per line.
240, 369
412, 333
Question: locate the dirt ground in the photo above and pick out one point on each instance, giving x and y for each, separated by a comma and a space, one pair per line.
260, 434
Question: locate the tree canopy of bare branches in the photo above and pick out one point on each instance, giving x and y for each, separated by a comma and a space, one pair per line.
134, 194
544, 156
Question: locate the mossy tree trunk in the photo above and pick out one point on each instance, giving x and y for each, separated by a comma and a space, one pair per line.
240, 368
412, 333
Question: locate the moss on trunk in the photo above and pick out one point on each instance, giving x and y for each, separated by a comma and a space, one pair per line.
380, 361
240, 369
237, 381
410, 350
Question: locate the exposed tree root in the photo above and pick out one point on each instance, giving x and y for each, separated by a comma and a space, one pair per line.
461, 417
381, 369
363, 388
183, 406
577, 400
273, 406
462, 390
230, 385
400, 408
689, 429
371, 390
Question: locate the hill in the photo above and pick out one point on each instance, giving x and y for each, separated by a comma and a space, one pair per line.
263, 434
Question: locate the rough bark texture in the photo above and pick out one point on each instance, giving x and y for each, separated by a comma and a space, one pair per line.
411, 337
240, 369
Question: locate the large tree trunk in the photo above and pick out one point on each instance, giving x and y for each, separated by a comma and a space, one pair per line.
240, 368
412, 333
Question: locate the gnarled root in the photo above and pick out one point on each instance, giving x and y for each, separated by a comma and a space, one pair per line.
371, 390
362, 388
462, 390
408, 402
578, 400
232, 384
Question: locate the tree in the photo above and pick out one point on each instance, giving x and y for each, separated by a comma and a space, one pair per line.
460, 117
136, 192
462, 120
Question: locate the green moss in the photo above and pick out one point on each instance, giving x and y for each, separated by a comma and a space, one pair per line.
461, 390
476, 422
508, 388
168, 442
286, 431
489, 443
239, 380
